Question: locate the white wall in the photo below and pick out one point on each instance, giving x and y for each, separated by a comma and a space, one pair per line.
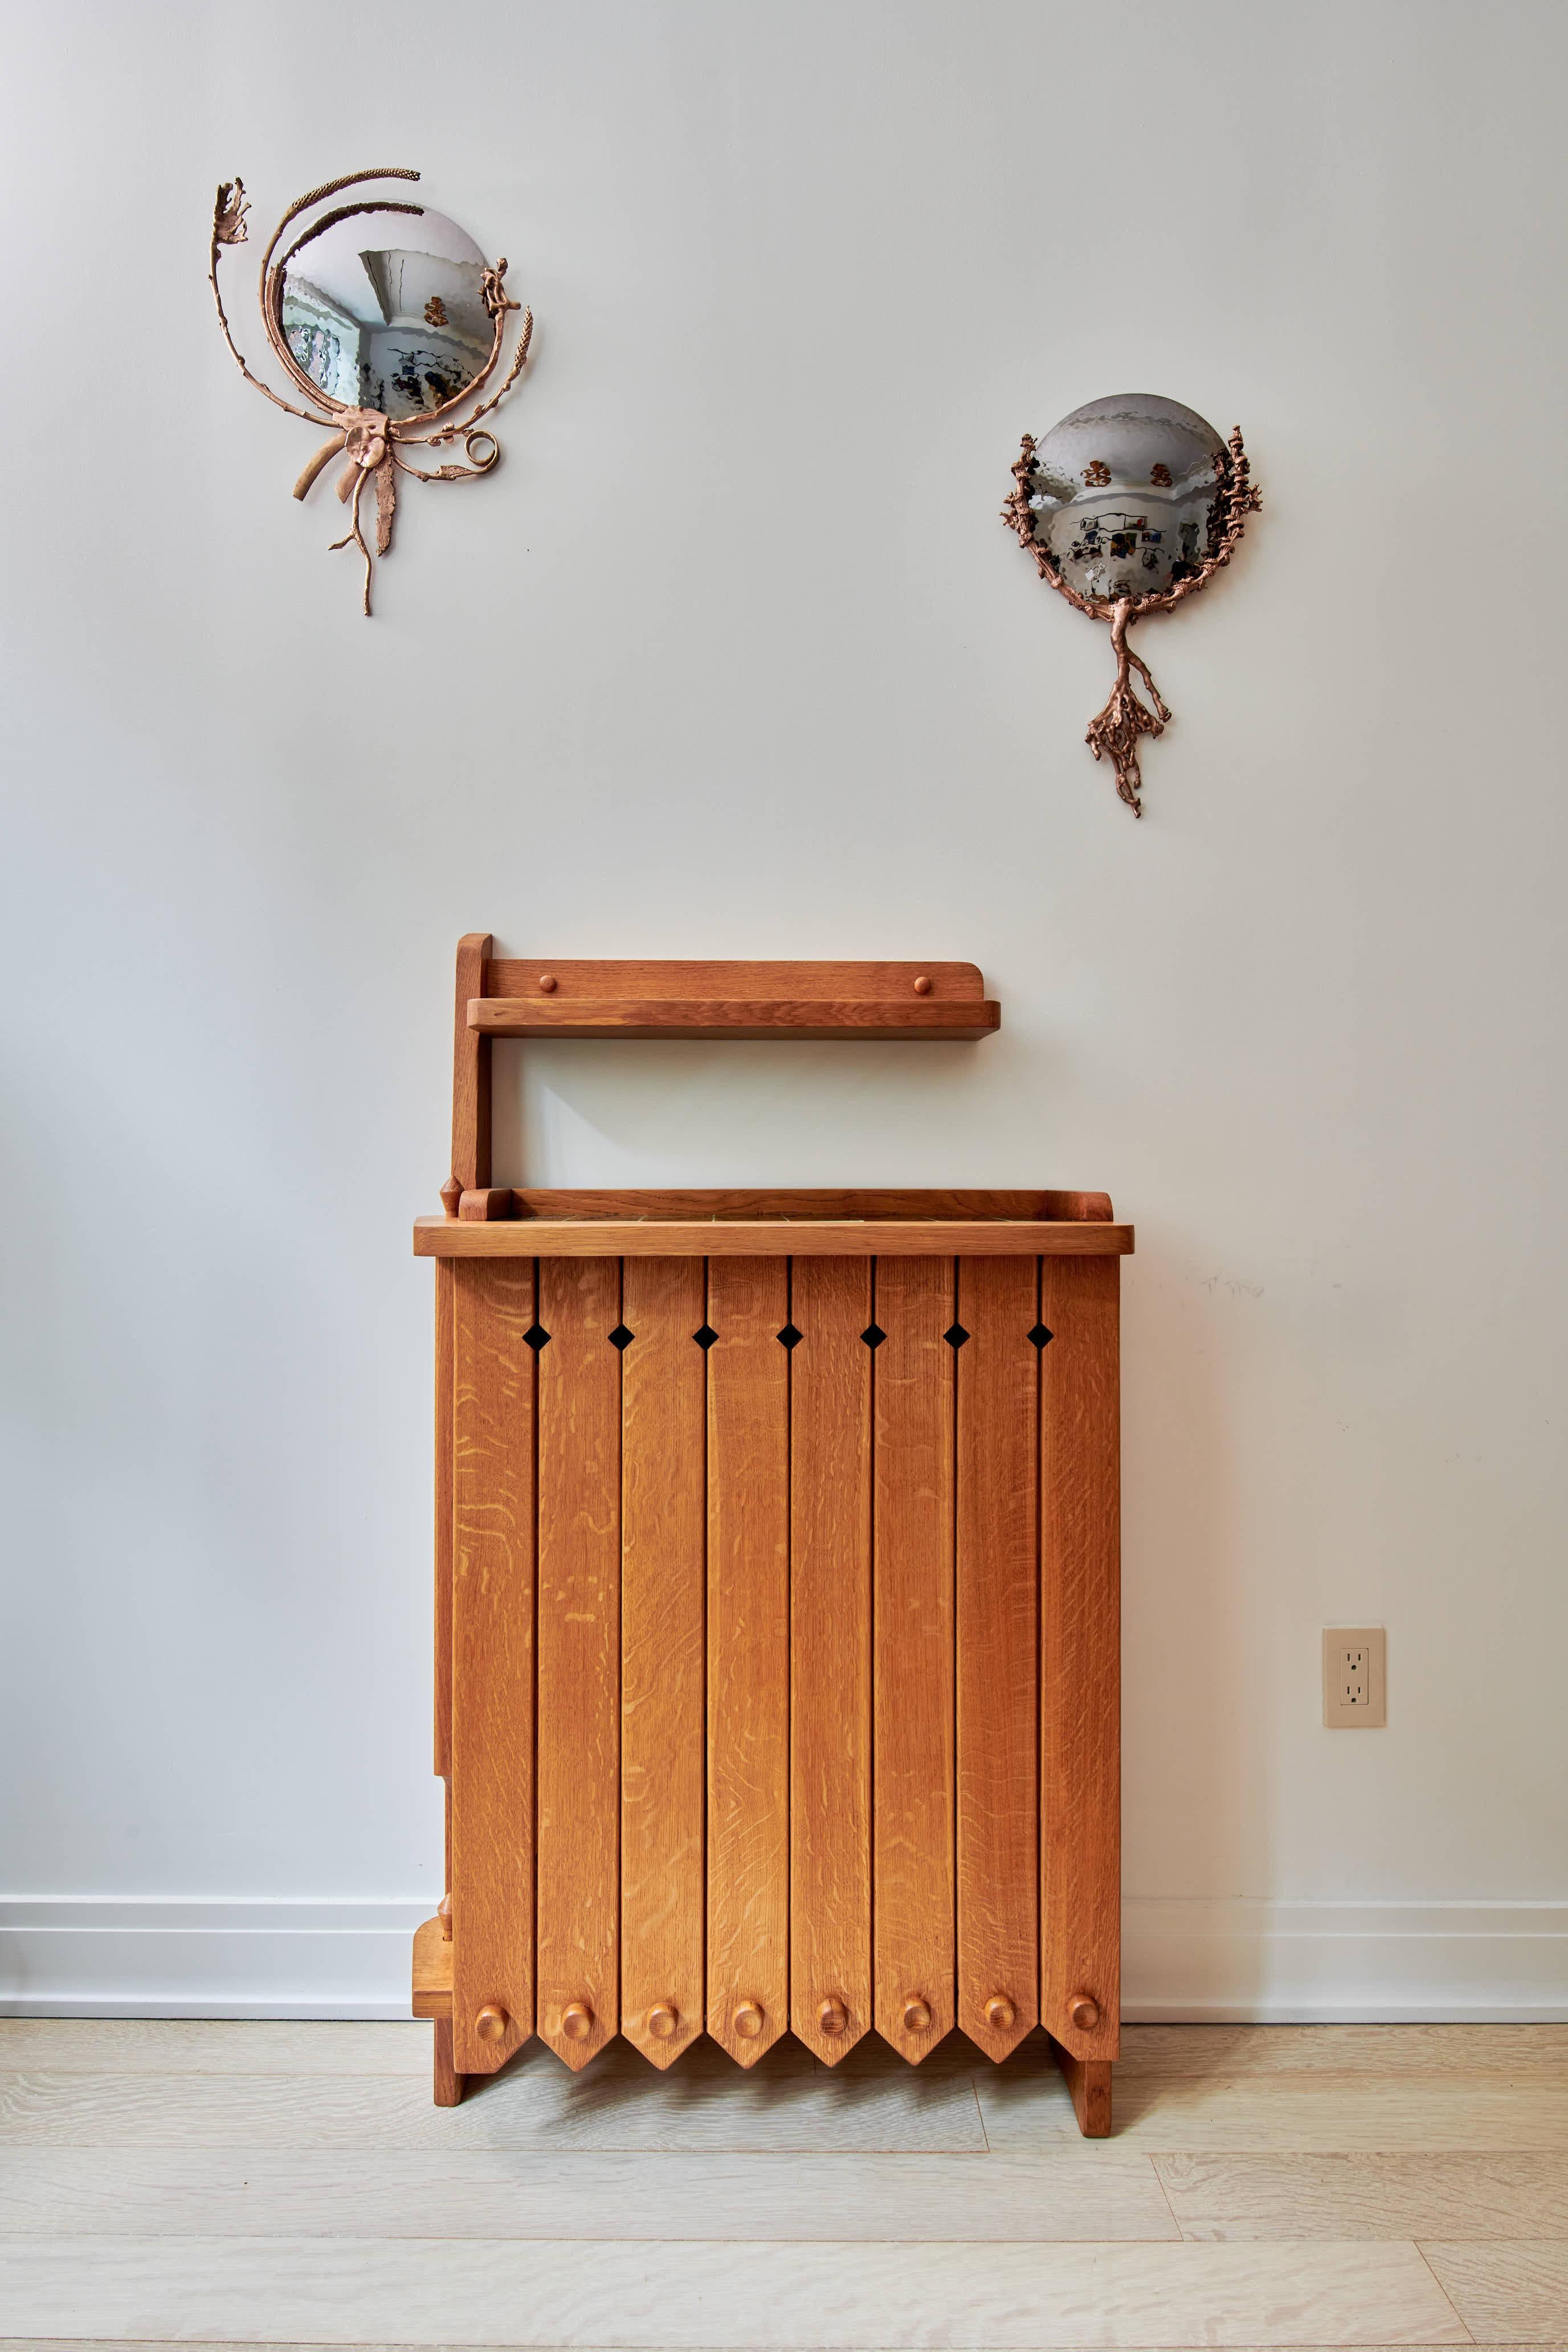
732, 656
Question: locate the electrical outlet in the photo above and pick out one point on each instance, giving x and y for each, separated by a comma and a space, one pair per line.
1355, 1661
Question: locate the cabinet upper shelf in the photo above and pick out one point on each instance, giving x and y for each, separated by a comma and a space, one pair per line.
566, 997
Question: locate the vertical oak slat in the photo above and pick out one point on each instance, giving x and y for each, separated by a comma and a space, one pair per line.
830, 1655
748, 1655
579, 1656
914, 1653
493, 1681
470, 1070
997, 1633
445, 1341
663, 1540
1081, 1782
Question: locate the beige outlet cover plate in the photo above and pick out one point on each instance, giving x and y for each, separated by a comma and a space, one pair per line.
1356, 1677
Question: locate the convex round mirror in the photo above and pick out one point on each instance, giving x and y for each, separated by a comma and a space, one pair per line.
387, 319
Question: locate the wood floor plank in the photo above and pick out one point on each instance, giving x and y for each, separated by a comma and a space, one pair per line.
179, 2045
1367, 2196
1537, 2054
463, 2193
871, 2102
1514, 2294
663, 1609
1320, 2112
703, 2294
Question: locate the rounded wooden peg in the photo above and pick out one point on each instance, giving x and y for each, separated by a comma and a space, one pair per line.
451, 1194
576, 2020
548, 983
662, 2018
1000, 2014
747, 2020
922, 986
1084, 2013
444, 1913
833, 2018
491, 2023
917, 2015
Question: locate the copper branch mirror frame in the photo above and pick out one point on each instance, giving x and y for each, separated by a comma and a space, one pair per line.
341, 309
1130, 506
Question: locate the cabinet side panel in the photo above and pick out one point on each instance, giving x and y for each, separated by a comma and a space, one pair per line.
748, 1655
492, 1660
830, 1655
998, 1376
913, 1543
663, 1532
578, 1997
1080, 1668
445, 1344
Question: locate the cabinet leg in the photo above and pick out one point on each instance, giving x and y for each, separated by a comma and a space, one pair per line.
449, 2083
1088, 2080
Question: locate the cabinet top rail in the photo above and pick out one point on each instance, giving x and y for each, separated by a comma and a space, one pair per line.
770, 1237
738, 1018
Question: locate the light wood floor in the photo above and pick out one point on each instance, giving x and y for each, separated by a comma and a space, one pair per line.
293, 2185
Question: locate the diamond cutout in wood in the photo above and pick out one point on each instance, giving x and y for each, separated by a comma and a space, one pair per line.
956, 1335
705, 1338
873, 1335
537, 1336
790, 1338
621, 1338
1039, 1337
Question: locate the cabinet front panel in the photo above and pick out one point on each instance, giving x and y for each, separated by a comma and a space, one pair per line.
663, 1509
830, 1653
578, 1994
748, 1654
997, 1372
913, 1533
492, 1664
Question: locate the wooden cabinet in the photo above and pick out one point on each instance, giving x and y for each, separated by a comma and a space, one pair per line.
776, 1623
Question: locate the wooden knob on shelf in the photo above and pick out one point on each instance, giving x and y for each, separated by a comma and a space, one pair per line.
747, 2020
917, 2015
1000, 2013
833, 2017
1084, 2013
576, 2020
444, 1913
491, 2023
451, 1194
548, 983
662, 2018
922, 986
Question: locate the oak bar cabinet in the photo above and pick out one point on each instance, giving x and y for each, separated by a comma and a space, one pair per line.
776, 1580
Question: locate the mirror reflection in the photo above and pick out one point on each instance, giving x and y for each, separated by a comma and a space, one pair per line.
385, 309
1128, 495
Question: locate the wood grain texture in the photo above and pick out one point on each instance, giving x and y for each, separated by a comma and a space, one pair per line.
1089, 2086
998, 1633
1515, 2294
432, 1970
769, 1237
596, 977
470, 1070
663, 1605
748, 1653
1080, 1668
925, 1203
1533, 2054
912, 1546
582, 2194
921, 1017
1367, 2196
492, 1643
830, 1655
1028, 2298
448, 2084
578, 1734
445, 1334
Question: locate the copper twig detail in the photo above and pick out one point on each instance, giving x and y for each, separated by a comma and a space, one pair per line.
368, 438
1118, 729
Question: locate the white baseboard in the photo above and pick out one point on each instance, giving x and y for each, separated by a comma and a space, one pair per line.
1219, 1962
1341, 1963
